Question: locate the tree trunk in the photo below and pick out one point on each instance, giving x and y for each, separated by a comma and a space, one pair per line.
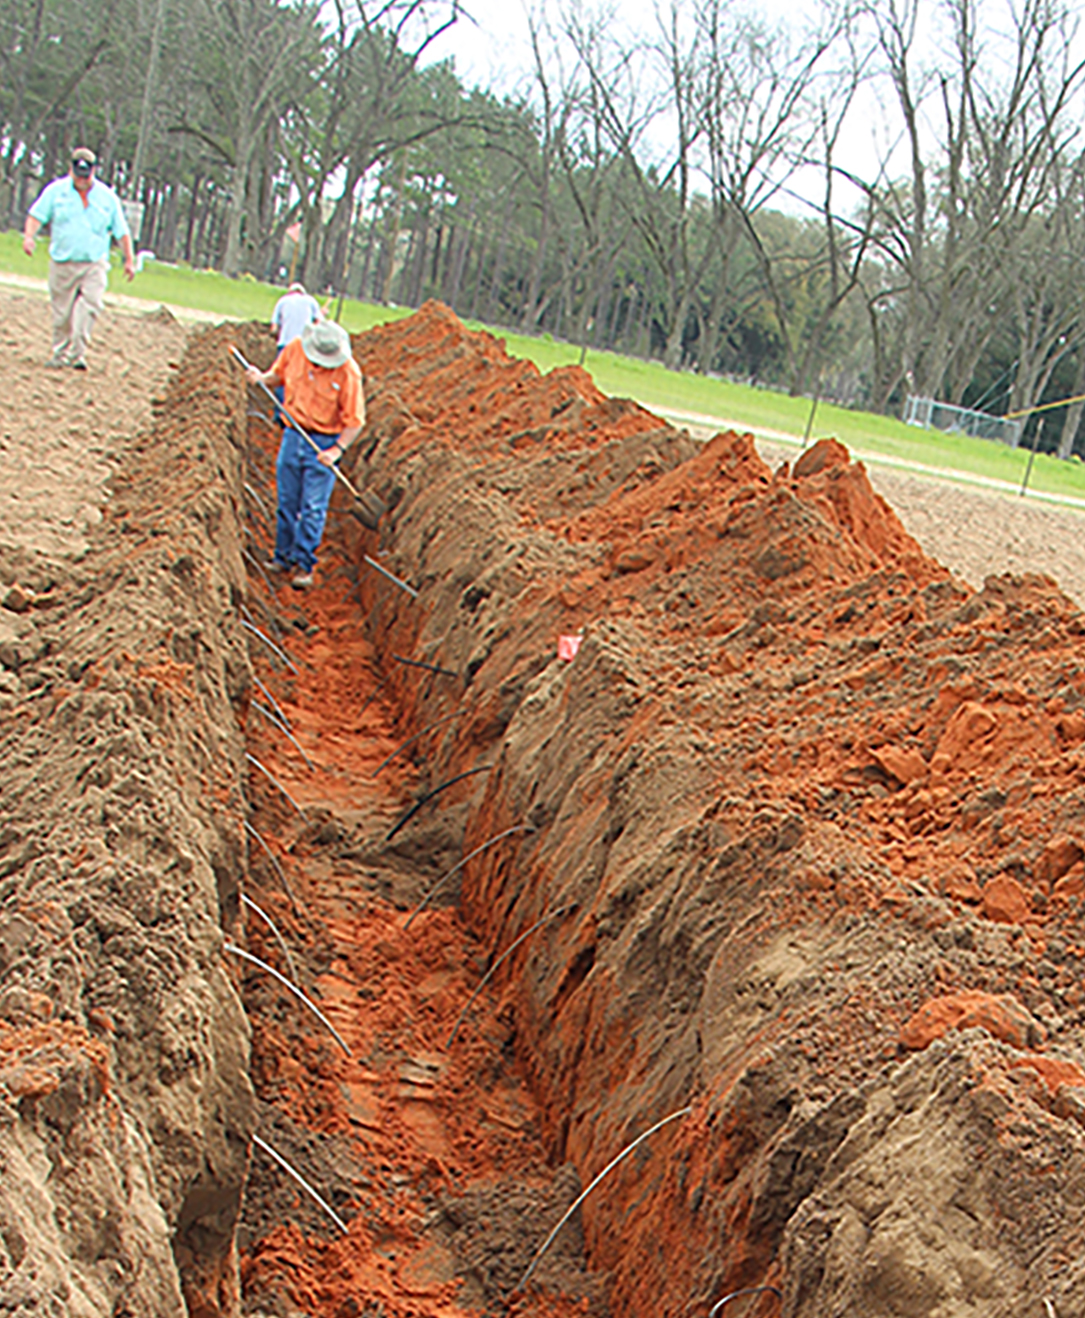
150, 98
1072, 420
191, 222
672, 353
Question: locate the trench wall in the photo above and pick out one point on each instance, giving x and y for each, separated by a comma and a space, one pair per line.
125, 1103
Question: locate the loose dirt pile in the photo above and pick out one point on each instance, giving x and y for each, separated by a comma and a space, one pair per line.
818, 808
793, 840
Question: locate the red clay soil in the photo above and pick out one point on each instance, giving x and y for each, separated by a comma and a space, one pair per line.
805, 831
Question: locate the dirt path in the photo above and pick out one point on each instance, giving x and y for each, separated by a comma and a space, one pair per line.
62, 431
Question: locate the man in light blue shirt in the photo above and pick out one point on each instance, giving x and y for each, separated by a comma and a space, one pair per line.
83, 215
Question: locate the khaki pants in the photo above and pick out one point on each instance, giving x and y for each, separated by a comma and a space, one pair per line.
76, 291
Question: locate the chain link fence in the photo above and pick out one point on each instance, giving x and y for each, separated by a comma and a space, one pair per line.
932, 415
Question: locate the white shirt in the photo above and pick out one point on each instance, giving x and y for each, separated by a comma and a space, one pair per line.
292, 313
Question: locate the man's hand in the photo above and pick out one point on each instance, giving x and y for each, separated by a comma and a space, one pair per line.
29, 244
129, 268
328, 457
253, 374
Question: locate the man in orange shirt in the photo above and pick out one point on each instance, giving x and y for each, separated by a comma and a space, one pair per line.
323, 393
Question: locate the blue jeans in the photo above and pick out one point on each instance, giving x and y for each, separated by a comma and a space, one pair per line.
305, 490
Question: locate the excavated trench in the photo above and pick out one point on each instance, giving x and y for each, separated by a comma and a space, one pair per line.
774, 880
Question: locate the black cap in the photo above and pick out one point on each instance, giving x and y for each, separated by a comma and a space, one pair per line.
83, 161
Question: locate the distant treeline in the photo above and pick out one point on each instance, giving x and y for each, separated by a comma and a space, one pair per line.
686, 194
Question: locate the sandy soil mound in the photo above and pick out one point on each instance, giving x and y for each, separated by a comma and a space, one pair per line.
125, 1104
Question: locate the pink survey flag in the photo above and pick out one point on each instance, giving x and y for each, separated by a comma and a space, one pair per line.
568, 646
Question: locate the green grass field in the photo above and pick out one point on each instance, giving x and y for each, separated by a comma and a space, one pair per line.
866, 434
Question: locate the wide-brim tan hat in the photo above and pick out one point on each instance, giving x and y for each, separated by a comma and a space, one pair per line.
325, 344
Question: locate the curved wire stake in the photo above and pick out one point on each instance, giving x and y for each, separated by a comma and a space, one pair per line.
240, 951
516, 828
550, 915
247, 901
284, 730
272, 702
273, 622
430, 668
270, 645
272, 779
391, 576
482, 768
257, 499
747, 1290
435, 724
275, 863
682, 1112
255, 562
278, 1157
372, 695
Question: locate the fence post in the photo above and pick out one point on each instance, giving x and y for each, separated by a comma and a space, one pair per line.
1032, 453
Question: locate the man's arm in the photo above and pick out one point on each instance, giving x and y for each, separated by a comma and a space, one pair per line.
30, 233
129, 257
270, 377
331, 455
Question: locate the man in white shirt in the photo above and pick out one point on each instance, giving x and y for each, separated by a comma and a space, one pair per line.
293, 311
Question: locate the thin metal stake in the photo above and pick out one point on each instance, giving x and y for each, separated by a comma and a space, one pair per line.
251, 558
263, 506
447, 718
1032, 453
272, 779
246, 612
550, 915
247, 901
430, 668
482, 768
391, 576
372, 695
682, 1112
748, 1290
275, 863
270, 644
272, 702
284, 730
516, 828
248, 956
303, 1183
810, 418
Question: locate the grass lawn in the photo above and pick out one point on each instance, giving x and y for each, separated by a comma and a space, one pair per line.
648, 382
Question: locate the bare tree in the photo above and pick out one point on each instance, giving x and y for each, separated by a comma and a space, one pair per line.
762, 123
951, 238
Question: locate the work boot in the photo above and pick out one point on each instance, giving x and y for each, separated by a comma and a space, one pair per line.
57, 362
302, 581
79, 365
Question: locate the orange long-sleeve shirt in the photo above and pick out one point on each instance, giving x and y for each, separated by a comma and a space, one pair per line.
326, 401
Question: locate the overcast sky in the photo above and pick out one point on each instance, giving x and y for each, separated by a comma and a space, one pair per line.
493, 51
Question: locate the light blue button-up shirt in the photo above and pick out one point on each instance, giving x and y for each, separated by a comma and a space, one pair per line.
80, 233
